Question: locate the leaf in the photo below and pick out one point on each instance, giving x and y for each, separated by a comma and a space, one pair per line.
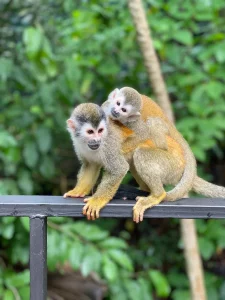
145, 289
18, 280
7, 140
8, 231
207, 248
213, 293
75, 255
24, 292
121, 258
30, 154
222, 291
110, 269
181, 294
44, 139
160, 283
214, 89
6, 67
184, 37
89, 231
25, 221
47, 167
8, 295
113, 242
32, 38
133, 289
8, 220
91, 261
25, 182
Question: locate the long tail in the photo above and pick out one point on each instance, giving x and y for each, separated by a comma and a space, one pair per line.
187, 180
208, 189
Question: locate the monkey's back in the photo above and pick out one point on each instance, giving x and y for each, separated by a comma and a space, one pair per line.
151, 109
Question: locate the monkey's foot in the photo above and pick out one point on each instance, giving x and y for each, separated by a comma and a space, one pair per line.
92, 207
144, 203
76, 193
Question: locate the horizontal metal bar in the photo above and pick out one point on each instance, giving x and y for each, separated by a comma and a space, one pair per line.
38, 258
58, 206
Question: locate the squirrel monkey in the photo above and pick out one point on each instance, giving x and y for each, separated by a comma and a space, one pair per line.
156, 166
97, 143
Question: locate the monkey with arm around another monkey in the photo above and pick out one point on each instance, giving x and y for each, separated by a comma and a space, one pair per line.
97, 142
135, 135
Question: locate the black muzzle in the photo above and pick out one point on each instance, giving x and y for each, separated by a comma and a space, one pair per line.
114, 113
93, 145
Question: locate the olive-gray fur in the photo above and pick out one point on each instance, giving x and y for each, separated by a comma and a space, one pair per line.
158, 130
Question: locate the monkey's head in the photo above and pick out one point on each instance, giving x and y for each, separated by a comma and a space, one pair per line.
88, 125
124, 105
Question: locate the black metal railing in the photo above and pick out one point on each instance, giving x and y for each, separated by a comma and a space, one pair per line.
39, 208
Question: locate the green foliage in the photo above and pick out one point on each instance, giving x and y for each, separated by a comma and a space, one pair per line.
54, 56
14, 285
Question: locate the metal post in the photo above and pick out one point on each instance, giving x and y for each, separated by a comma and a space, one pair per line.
38, 258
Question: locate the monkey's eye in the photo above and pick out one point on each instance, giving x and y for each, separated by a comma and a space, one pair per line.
118, 103
100, 130
124, 109
90, 131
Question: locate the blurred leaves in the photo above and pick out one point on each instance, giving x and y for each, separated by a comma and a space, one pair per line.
160, 282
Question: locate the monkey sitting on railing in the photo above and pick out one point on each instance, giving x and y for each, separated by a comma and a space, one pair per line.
149, 145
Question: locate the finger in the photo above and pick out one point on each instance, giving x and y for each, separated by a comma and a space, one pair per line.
89, 214
93, 215
86, 199
65, 195
135, 217
79, 196
97, 213
85, 209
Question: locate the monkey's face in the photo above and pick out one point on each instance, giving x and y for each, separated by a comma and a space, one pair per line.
117, 109
93, 135
120, 108
88, 126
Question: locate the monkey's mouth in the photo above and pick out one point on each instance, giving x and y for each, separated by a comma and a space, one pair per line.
93, 146
114, 114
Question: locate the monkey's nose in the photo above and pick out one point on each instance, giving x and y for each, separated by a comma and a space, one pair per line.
114, 113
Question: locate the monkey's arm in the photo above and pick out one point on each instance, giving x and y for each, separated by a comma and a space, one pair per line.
158, 130
86, 180
114, 173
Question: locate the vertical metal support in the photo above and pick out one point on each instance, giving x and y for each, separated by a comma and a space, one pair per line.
38, 258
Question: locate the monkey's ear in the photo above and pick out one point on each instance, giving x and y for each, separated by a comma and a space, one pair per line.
113, 94
70, 124
134, 117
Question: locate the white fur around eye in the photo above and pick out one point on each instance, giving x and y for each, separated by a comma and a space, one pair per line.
128, 107
103, 125
119, 99
85, 128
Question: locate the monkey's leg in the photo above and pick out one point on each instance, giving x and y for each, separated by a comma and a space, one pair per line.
143, 186
86, 180
153, 166
107, 188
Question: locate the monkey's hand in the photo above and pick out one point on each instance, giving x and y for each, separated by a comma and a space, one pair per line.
144, 203
93, 207
77, 192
